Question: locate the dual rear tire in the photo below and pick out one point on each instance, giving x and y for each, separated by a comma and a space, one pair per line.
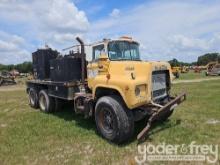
41, 100
33, 98
46, 103
114, 121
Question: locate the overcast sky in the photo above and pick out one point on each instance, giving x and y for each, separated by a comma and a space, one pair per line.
165, 29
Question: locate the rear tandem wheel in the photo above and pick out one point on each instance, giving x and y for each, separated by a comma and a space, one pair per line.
46, 102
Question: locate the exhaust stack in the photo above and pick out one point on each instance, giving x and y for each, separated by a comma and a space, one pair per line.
83, 59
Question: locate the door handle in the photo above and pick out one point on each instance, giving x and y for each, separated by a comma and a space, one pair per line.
100, 66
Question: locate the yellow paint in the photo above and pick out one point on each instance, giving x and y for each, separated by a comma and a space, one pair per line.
125, 76
175, 69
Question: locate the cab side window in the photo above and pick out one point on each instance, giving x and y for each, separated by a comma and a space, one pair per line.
97, 51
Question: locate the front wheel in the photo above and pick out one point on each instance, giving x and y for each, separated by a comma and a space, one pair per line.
113, 119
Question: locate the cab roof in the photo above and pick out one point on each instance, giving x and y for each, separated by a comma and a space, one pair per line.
123, 38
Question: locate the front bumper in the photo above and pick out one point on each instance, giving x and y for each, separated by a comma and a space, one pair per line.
163, 110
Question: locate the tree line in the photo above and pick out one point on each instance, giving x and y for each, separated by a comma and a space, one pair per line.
202, 60
25, 67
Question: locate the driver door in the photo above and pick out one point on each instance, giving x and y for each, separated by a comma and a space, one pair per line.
92, 67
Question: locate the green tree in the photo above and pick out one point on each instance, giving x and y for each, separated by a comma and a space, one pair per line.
209, 57
25, 67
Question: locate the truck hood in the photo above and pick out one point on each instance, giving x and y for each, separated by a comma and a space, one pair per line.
140, 69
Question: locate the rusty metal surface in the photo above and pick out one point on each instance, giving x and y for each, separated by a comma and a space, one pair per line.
177, 100
49, 82
83, 103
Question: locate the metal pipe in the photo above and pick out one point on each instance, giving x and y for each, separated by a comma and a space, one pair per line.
155, 104
73, 47
83, 58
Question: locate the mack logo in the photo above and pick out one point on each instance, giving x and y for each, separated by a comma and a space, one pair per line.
129, 68
163, 67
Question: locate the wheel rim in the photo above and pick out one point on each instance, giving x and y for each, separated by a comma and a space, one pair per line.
42, 102
106, 120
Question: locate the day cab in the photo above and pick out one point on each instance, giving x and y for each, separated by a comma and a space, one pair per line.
118, 77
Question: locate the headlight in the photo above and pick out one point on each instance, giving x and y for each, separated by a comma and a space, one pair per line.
141, 90
137, 91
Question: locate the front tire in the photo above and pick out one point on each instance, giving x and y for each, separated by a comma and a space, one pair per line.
113, 119
46, 103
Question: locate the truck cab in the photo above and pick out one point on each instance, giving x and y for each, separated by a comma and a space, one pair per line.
116, 67
120, 80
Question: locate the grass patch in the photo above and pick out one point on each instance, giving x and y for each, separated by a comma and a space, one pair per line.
192, 75
28, 136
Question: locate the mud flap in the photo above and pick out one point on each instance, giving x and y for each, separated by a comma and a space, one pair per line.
168, 107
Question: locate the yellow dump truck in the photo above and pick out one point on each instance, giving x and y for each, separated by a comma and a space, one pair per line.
116, 87
184, 69
176, 71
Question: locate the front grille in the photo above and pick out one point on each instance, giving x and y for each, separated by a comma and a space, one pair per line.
159, 93
160, 84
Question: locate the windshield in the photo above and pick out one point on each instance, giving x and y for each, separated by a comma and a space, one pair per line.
123, 50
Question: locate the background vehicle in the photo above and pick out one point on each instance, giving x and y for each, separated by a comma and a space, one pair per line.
197, 69
116, 87
184, 69
213, 69
6, 78
176, 71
